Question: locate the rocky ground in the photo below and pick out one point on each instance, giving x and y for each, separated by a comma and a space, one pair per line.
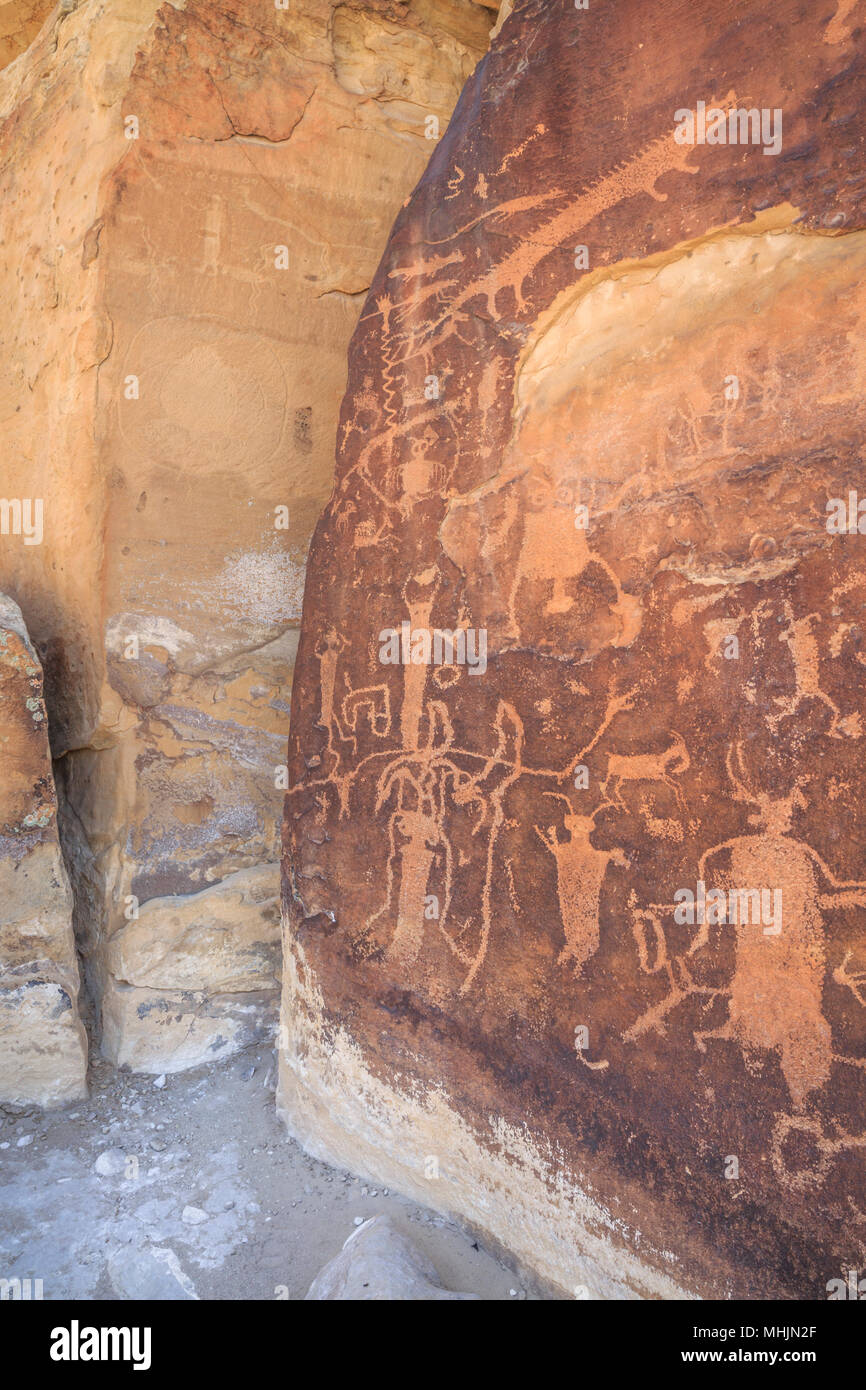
192, 1186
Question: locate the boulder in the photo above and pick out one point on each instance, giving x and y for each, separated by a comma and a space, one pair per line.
378, 1263
574, 877
43, 1049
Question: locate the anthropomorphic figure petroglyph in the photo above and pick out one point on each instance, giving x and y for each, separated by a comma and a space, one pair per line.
806, 658
520, 526
428, 787
492, 782
775, 996
554, 551
421, 475
580, 871
415, 837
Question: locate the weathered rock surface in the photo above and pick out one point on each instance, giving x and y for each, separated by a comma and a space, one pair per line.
20, 22
378, 1263
153, 1273
194, 977
43, 1051
604, 388
182, 308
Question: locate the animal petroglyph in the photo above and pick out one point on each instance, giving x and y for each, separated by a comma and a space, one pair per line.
647, 767
409, 335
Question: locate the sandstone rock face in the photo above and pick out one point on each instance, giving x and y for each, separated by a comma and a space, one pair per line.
43, 1050
605, 411
20, 22
183, 308
376, 1264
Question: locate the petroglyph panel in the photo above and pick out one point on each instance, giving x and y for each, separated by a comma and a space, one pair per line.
593, 915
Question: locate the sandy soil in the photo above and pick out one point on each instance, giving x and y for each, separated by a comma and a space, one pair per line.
267, 1217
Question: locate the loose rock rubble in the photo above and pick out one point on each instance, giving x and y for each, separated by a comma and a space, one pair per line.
268, 1216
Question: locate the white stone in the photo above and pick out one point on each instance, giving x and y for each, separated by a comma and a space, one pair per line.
378, 1263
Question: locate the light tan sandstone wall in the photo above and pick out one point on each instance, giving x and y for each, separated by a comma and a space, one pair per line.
183, 301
